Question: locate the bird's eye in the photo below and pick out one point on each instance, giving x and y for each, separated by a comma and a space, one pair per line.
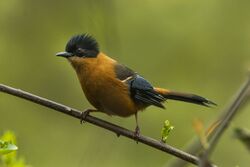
80, 50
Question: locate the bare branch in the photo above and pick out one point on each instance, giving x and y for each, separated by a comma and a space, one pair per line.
240, 98
194, 146
101, 123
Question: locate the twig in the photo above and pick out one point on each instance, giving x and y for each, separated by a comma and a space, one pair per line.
230, 113
243, 135
101, 123
194, 146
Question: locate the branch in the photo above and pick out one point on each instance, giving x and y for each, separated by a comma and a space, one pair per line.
101, 123
194, 146
240, 98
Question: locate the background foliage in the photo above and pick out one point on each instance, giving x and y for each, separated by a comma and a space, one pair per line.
194, 46
8, 155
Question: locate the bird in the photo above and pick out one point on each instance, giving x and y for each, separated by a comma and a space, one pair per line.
113, 88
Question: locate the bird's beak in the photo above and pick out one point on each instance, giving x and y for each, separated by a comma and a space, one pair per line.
64, 54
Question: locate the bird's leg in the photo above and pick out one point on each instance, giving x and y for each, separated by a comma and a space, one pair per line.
85, 113
137, 129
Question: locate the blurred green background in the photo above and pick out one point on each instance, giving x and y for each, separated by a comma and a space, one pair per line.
193, 46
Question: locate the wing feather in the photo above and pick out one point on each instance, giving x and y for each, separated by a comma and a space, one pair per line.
140, 89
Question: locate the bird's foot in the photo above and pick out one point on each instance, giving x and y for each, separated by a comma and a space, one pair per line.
137, 134
84, 114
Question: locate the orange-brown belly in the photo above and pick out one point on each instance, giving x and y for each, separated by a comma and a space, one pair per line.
110, 96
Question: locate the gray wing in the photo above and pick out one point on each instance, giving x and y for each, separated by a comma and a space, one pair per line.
123, 72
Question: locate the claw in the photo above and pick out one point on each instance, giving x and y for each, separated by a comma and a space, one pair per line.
137, 134
84, 114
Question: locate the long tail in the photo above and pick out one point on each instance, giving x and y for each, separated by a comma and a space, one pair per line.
186, 97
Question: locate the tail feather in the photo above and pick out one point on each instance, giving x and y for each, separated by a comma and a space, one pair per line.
186, 97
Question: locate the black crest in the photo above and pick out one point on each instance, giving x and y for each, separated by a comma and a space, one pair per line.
83, 41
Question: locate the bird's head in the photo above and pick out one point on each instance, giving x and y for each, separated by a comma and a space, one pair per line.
80, 46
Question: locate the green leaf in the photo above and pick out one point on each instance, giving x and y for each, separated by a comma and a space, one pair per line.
167, 128
7, 147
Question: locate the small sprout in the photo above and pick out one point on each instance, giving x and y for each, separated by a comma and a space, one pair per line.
7, 147
167, 128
